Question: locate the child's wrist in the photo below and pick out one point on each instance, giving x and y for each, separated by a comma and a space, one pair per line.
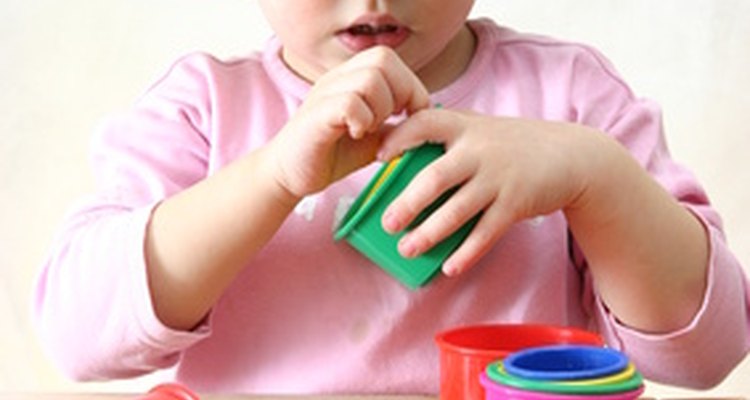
604, 171
266, 167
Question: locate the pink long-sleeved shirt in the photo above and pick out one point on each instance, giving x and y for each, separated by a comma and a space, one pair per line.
310, 315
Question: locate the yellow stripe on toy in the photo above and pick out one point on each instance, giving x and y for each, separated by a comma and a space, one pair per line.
388, 170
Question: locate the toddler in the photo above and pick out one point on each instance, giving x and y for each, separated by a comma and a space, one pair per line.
208, 243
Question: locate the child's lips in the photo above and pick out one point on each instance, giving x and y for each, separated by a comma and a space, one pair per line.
369, 31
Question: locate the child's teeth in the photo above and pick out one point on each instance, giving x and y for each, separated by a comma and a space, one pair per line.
363, 30
372, 30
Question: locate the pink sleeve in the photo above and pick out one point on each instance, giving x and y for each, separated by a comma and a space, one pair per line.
705, 351
702, 353
92, 302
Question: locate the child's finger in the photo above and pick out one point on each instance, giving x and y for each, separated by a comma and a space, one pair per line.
431, 125
463, 205
407, 90
427, 186
492, 225
340, 114
373, 88
369, 83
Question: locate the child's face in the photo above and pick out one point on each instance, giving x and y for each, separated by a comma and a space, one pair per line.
317, 35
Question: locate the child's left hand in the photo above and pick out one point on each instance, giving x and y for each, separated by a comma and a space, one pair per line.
511, 169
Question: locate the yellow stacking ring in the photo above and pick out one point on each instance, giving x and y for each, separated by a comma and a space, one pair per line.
621, 376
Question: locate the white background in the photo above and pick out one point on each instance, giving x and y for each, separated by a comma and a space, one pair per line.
66, 64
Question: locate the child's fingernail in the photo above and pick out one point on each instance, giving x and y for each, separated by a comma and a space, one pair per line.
382, 155
390, 222
450, 268
407, 247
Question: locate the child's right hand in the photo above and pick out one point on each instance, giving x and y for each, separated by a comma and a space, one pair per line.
337, 128
193, 257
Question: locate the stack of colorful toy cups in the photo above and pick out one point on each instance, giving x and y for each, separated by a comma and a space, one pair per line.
466, 351
563, 372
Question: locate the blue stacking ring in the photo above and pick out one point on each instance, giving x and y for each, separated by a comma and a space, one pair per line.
565, 362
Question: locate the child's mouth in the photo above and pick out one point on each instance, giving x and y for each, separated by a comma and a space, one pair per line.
365, 29
365, 34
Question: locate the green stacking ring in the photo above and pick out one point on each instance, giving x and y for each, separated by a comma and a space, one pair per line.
496, 372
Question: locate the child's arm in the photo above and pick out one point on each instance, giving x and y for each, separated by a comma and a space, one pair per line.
647, 253
200, 239
647, 248
151, 166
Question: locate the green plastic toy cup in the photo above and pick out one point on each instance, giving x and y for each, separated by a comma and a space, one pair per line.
362, 226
